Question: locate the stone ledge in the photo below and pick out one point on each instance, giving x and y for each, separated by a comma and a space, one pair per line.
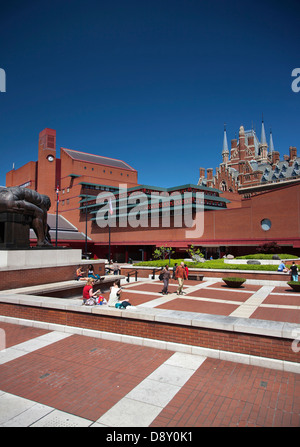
247, 359
43, 289
181, 318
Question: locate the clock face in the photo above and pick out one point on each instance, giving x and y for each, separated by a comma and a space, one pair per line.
50, 158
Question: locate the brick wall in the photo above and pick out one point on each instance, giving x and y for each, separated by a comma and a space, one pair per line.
13, 279
249, 344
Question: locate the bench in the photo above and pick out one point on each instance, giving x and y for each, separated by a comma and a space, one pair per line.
196, 276
69, 289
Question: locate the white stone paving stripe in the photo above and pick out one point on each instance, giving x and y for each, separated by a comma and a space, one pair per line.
246, 309
21, 349
17, 411
144, 403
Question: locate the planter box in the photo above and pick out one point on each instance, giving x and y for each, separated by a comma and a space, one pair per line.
294, 285
234, 282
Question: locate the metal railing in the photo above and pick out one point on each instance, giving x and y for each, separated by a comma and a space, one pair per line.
133, 272
154, 270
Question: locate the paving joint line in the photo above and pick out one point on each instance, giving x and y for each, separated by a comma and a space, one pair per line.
246, 309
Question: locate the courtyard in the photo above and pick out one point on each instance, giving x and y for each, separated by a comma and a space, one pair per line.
55, 375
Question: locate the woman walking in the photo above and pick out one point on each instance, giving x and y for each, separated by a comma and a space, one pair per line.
166, 274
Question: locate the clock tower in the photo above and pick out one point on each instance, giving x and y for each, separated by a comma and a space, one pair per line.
47, 165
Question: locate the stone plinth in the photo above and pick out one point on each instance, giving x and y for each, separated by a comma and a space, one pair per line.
14, 231
34, 258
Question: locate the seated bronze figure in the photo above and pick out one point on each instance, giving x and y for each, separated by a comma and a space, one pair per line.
25, 201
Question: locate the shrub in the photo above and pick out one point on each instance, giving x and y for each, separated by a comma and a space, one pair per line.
269, 247
214, 264
295, 285
233, 281
267, 256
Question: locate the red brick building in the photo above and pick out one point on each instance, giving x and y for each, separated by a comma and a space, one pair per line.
253, 198
251, 162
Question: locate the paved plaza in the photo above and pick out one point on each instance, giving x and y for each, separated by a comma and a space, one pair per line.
51, 377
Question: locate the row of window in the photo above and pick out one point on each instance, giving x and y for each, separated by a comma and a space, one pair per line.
104, 170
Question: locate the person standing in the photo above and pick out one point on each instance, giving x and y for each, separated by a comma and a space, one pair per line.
166, 278
181, 276
116, 268
294, 272
174, 271
186, 271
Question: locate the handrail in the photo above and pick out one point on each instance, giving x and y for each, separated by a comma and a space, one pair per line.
154, 270
129, 273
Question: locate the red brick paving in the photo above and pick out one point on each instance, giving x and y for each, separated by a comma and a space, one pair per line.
288, 300
285, 289
245, 286
136, 298
277, 314
223, 293
226, 394
15, 334
153, 287
81, 375
206, 307
220, 294
86, 376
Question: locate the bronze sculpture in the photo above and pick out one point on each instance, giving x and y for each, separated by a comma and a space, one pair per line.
28, 202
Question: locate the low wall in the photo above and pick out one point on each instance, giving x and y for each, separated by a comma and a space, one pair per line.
212, 336
261, 261
16, 278
144, 272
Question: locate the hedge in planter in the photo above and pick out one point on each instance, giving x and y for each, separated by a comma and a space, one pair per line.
234, 282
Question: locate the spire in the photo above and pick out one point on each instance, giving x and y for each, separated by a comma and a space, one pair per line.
225, 152
225, 144
271, 149
263, 139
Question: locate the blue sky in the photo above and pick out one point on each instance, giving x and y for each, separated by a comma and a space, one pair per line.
149, 82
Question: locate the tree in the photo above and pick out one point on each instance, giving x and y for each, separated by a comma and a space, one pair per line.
269, 248
195, 253
162, 252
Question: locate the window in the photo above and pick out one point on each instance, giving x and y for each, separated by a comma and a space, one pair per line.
223, 186
266, 224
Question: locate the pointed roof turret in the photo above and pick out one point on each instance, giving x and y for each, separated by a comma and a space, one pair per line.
263, 139
271, 149
225, 144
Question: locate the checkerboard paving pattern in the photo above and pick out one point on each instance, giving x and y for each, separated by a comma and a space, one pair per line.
212, 296
80, 380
